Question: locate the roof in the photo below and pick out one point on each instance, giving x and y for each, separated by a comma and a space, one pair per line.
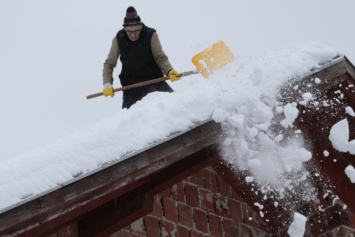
136, 179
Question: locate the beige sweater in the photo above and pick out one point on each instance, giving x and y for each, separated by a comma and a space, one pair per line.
111, 62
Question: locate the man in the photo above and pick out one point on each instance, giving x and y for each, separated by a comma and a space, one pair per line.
142, 59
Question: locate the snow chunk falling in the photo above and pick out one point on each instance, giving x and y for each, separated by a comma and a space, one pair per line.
298, 225
339, 135
350, 111
306, 97
249, 179
291, 113
350, 172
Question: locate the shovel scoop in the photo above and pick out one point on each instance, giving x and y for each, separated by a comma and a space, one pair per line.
213, 58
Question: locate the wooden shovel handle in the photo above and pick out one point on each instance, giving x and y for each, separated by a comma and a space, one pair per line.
188, 73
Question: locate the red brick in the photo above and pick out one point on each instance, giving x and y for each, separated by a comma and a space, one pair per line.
336, 216
152, 226
253, 219
192, 195
200, 218
341, 231
124, 233
351, 218
137, 227
329, 233
197, 178
166, 193
182, 231
210, 179
260, 233
168, 229
230, 228
235, 210
194, 233
157, 206
215, 223
318, 223
170, 210
221, 205
185, 215
237, 196
177, 192
206, 199
346, 232
223, 187
244, 231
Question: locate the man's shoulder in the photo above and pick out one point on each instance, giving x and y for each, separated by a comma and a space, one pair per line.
120, 33
150, 29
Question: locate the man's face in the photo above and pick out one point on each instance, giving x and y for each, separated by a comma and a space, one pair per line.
133, 32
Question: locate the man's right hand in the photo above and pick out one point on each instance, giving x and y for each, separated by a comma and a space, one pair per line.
108, 90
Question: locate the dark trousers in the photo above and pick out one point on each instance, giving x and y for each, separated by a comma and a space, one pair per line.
131, 96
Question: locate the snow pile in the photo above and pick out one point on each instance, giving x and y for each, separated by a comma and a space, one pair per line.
298, 225
243, 97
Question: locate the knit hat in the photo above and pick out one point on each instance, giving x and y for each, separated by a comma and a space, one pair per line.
131, 17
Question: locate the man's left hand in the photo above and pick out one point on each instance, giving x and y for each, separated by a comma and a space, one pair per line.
173, 75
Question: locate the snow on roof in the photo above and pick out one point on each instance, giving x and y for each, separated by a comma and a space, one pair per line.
243, 94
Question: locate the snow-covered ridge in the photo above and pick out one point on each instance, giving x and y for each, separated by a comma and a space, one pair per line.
242, 95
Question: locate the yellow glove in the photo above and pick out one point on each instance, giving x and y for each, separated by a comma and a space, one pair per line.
173, 75
108, 90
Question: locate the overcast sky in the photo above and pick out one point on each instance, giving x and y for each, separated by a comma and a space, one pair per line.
51, 52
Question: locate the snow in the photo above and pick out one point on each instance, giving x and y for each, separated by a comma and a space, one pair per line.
350, 172
350, 111
234, 96
298, 225
339, 136
249, 179
291, 113
44, 99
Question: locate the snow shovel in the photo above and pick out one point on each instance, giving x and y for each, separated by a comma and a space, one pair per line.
206, 62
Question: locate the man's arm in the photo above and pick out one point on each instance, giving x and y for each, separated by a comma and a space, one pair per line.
111, 62
159, 55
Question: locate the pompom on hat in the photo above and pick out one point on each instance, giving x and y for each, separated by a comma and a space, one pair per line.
131, 17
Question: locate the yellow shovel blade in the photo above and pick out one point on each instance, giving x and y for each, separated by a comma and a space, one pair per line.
213, 58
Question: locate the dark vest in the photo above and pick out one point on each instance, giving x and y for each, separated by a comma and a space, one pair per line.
137, 59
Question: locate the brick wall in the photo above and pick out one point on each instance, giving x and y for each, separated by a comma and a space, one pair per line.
204, 205
201, 205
